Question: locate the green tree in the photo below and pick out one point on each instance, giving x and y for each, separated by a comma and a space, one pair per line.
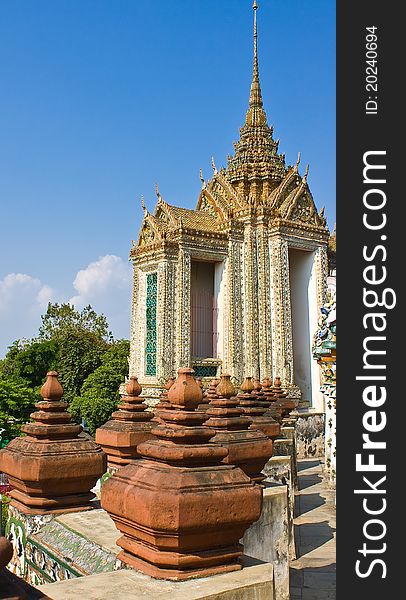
81, 338
17, 401
100, 391
61, 319
30, 361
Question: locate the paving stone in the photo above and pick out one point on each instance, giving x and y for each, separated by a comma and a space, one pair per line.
324, 581
313, 574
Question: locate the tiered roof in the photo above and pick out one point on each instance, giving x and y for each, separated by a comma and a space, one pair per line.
256, 177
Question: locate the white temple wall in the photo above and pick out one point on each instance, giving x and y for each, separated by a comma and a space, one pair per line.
303, 292
219, 296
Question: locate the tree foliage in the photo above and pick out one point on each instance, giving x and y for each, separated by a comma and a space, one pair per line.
17, 401
77, 344
63, 319
99, 394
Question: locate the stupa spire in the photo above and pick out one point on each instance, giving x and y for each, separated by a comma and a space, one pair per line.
256, 157
256, 114
255, 93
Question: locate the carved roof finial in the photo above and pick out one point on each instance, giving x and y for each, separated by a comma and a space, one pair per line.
202, 178
298, 161
144, 208
306, 174
158, 195
213, 165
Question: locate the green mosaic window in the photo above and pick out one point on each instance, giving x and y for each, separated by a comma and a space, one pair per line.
150, 344
205, 370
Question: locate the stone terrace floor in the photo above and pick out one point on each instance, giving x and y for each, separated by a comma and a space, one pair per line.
313, 574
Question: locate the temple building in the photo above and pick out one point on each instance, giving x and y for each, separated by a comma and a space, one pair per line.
235, 285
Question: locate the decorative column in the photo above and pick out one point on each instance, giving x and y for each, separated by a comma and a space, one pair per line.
52, 469
181, 510
165, 320
321, 267
264, 308
251, 358
183, 351
281, 314
135, 346
234, 328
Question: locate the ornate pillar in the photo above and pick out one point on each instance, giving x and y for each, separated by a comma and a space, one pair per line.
281, 318
320, 264
183, 356
165, 320
234, 326
135, 347
264, 308
251, 363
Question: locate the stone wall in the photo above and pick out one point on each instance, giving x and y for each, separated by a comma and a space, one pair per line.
48, 550
310, 434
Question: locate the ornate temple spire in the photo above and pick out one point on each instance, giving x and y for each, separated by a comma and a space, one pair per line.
256, 114
256, 167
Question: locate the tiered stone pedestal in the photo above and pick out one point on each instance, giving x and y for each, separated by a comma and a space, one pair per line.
53, 468
129, 426
180, 511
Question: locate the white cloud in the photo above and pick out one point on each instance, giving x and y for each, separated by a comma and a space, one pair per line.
104, 283
22, 300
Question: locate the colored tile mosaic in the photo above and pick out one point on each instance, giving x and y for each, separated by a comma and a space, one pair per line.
150, 346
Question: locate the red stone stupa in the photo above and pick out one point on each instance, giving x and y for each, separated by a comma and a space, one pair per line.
285, 403
181, 510
249, 449
265, 402
52, 468
254, 410
163, 400
129, 426
274, 409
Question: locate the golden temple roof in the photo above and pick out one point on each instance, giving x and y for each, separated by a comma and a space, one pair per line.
256, 176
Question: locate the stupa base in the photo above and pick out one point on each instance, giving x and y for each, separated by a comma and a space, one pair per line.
42, 506
175, 574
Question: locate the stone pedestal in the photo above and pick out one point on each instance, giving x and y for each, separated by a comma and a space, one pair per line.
181, 512
129, 426
286, 403
278, 469
255, 410
53, 468
247, 448
268, 538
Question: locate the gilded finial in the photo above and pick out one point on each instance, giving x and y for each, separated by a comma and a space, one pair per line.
157, 190
143, 204
213, 165
306, 174
298, 161
201, 176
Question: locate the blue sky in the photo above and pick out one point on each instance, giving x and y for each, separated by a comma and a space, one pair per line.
101, 99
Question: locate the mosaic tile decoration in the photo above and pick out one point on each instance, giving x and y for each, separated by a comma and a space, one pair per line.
150, 345
205, 370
